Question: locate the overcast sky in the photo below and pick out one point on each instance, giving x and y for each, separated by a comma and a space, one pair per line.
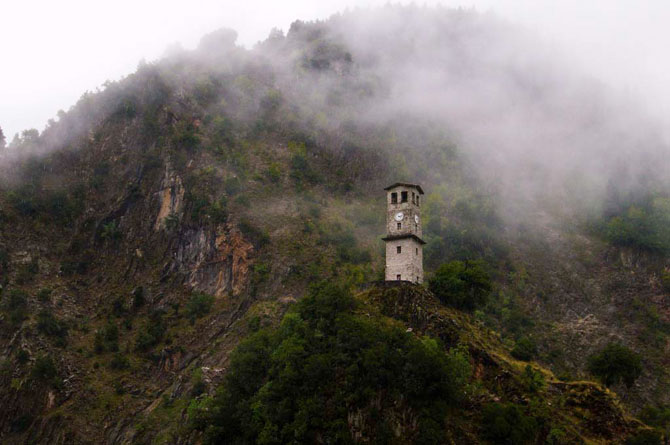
53, 51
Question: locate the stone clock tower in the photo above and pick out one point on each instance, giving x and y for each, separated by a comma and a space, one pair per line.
404, 243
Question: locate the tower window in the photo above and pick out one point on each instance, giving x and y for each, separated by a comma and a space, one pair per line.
413, 201
394, 198
417, 250
399, 226
397, 277
403, 196
398, 249
417, 200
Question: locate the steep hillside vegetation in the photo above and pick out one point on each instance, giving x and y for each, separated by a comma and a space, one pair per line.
188, 208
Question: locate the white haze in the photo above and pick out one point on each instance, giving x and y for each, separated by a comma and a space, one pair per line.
52, 52
543, 133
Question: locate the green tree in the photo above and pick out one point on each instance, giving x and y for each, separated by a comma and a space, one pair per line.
507, 424
525, 349
616, 363
465, 285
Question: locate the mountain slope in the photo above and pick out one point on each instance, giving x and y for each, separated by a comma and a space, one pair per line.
168, 216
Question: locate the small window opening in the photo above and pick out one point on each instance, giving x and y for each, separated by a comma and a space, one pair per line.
397, 277
398, 249
403, 196
413, 201
417, 200
394, 198
399, 226
417, 279
417, 250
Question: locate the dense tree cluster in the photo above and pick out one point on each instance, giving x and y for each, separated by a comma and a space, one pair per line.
465, 285
643, 224
301, 382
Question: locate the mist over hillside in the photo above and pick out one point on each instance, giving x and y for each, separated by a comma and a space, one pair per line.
534, 128
538, 133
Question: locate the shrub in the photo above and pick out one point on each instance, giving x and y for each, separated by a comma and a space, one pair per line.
532, 379
119, 362
261, 272
301, 170
16, 306
525, 349
515, 321
232, 186
26, 272
22, 356
44, 370
274, 172
21, 423
24, 201
184, 136
557, 436
657, 416
138, 297
151, 333
106, 339
76, 266
464, 285
614, 364
50, 326
198, 306
171, 222
643, 224
253, 233
44, 294
508, 424
118, 306
111, 232
665, 280
218, 211
198, 385
646, 437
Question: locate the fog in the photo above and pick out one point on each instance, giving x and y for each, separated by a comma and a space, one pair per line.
551, 104
54, 51
537, 125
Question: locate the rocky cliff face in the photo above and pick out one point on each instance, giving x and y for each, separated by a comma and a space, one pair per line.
216, 262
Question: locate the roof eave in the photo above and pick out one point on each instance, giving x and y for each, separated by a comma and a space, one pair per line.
405, 184
404, 236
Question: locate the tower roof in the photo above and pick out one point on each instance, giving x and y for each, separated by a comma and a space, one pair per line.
403, 236
405, 184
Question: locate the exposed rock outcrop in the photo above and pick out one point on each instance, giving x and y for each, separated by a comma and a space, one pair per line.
171, 197
214, 261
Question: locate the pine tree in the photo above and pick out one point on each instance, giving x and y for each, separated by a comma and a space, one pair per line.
3, 141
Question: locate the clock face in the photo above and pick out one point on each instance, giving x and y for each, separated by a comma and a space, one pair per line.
399, 216
416, 219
